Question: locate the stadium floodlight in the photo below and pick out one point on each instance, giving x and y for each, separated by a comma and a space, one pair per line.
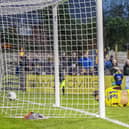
44, 65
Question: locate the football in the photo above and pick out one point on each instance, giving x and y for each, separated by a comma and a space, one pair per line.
11, 95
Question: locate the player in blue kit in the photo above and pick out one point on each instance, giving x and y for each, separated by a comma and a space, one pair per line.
118, 77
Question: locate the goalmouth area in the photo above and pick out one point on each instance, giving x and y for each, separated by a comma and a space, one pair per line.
51, 56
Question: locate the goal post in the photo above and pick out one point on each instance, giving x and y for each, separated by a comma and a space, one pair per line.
101, 57
56, 55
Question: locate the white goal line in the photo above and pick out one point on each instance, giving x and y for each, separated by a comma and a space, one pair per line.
81, 111
96, 115
117, 122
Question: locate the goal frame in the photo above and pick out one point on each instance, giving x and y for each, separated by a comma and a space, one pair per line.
100, 57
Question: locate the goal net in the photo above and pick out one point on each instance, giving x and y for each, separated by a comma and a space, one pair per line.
49, 58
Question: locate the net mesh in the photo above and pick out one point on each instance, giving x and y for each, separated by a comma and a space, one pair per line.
27, 58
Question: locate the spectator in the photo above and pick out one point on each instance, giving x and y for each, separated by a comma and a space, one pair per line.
49, 66
37, 70
73, 70
22, 53
21, 69
63, 61
73, 64
83, 71
73, 59
126, 68
114, 66
111, 58
107, 66
85, 61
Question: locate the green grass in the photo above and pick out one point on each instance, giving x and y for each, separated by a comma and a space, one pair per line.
75, 101
118, 113
94, 123
19, 107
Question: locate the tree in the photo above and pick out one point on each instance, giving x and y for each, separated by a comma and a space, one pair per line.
116, 25
116, 31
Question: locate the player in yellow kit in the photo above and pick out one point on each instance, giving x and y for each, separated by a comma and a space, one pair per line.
114, 97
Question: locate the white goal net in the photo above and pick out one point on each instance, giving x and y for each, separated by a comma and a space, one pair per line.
49, 58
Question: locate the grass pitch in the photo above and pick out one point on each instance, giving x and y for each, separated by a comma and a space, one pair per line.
35, 103
93, 123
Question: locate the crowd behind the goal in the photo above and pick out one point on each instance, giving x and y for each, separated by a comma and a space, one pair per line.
76, 63
73, 64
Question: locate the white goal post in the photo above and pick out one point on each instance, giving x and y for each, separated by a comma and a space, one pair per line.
101, 57
51, 56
